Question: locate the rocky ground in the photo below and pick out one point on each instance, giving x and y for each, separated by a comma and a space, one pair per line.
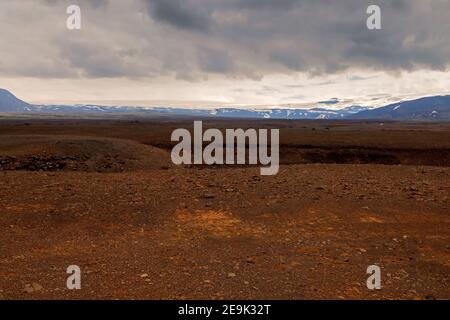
161, 232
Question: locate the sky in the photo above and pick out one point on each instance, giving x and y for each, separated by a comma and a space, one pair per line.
229, 52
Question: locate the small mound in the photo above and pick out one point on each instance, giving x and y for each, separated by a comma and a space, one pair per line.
73, 153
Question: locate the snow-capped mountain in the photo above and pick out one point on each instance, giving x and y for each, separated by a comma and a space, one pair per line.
10, 103
274, 113
429, 108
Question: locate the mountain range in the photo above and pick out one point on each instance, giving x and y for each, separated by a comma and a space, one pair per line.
423, 109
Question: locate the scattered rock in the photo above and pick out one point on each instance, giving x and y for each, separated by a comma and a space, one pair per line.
251, 260
34, 287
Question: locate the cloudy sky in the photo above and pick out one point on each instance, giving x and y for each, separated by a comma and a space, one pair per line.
198, 52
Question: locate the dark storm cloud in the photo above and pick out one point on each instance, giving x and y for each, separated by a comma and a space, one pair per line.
264, 4
322, 35
244, 38
288, 58
215, 61
184, 14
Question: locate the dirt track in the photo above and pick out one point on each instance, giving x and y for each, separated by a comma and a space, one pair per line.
168, 233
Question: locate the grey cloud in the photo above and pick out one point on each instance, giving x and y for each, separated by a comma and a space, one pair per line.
184, 14
289, 58
239, 38
92, 3
265, 4
92, 62
98, 3
215, 61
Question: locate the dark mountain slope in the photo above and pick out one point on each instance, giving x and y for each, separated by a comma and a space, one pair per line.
429, 108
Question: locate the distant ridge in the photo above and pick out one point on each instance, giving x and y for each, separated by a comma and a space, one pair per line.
435, 108
428, 108
10, 103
